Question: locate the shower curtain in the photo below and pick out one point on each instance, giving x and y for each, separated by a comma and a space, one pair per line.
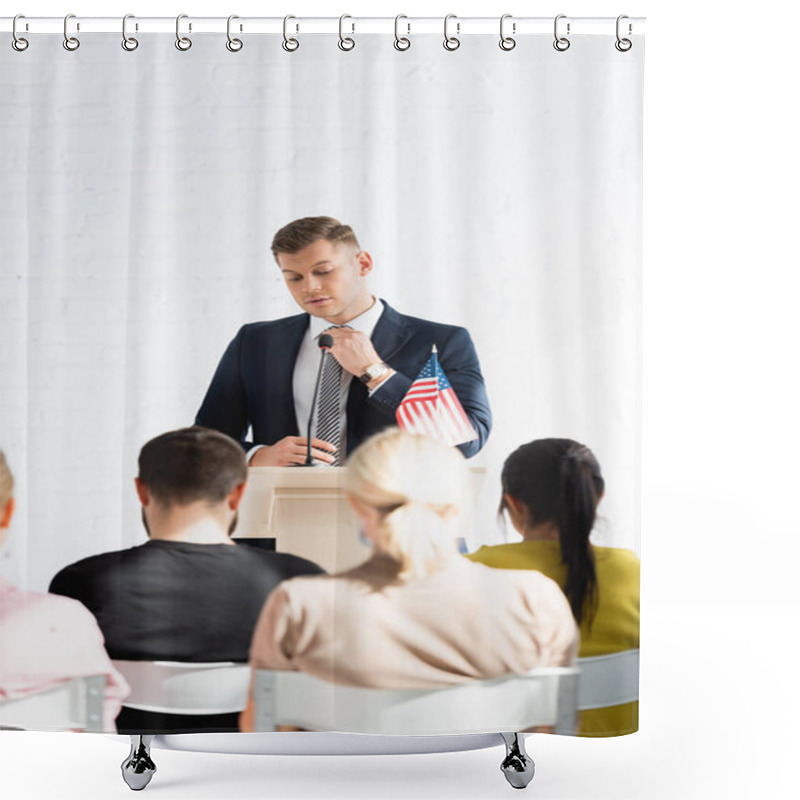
497, 189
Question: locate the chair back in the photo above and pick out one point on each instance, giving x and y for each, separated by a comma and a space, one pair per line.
75, 705
608, 680
175, 687
542, 697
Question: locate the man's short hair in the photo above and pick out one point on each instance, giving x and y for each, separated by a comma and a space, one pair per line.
297, 235
191, 464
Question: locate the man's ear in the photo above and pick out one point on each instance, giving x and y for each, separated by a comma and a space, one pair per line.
7, 512
364, 260
142, 492
235, 496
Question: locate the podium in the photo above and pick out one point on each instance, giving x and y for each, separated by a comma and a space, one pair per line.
304, 509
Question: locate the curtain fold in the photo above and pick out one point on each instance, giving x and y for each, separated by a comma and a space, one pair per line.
496, 190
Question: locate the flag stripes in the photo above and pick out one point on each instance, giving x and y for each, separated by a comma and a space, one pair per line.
431, 408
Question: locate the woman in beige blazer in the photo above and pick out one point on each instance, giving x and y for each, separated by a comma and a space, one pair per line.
416, 614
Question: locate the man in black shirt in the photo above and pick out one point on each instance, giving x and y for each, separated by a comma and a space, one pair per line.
190, 593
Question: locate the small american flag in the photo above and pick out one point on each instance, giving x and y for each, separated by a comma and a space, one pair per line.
431, 407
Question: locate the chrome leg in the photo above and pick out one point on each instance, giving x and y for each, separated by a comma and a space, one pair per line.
138, 768
517, 766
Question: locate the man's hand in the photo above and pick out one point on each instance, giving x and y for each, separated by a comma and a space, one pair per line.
353, 350
292, 450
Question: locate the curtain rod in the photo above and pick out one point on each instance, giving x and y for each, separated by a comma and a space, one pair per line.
405, 26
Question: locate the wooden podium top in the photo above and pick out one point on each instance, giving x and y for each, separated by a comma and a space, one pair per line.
297, 477
311, 476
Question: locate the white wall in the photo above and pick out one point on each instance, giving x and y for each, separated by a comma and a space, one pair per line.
500, 191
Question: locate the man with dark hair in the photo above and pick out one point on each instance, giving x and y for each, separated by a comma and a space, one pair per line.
185, 466
266, 377
190, 593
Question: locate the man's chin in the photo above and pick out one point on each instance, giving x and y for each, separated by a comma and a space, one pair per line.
327, 312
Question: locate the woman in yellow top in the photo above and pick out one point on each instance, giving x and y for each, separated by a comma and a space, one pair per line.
551, 489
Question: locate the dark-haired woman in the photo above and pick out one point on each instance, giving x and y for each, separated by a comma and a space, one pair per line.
551, 489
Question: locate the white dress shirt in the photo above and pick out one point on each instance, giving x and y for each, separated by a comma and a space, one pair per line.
307, 364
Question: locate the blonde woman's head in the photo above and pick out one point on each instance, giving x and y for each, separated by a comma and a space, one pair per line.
6, 494
409, 492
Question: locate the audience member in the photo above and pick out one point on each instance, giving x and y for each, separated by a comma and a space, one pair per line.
416, 614
46, 640
551, 489
190, 593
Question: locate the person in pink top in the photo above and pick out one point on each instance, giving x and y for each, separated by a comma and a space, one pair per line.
46, 640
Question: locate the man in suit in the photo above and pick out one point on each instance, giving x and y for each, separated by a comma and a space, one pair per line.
267, 375
189, 593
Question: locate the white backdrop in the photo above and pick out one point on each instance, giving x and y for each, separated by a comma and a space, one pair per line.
496, 190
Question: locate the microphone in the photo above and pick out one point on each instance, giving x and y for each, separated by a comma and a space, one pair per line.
325, 342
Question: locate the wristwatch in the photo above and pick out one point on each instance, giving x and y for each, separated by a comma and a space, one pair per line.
374, 371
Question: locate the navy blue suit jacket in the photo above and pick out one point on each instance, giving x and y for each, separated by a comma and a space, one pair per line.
253, 382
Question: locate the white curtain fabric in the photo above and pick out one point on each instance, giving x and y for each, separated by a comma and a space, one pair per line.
140, 191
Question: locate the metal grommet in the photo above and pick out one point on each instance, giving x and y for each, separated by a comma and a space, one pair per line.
128, 42
289, 44
70, 42
401, 43
623, 45
561, 43
234, 45
17, 42
183, 43
346, 43
507, 42
451, 42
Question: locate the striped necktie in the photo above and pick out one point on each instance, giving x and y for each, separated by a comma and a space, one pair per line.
329, 405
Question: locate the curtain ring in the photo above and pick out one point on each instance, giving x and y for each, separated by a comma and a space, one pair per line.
451, 42
18, 43
128, 42
346, 43
507, 42
401, 42
234, 45
561, 43
289, 45
181, 42
623, 45
70, 42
